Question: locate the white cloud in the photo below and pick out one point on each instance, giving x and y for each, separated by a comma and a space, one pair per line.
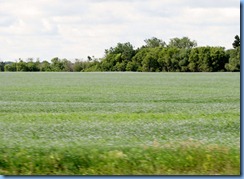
78, 28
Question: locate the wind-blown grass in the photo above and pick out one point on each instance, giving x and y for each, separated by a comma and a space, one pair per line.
120, 123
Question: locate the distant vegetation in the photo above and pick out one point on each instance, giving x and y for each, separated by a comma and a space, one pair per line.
180, 55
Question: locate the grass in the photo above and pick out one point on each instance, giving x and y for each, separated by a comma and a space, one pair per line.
120, 123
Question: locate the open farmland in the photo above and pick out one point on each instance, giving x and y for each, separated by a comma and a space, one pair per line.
120, 123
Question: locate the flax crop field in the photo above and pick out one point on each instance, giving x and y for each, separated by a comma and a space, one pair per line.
119, 123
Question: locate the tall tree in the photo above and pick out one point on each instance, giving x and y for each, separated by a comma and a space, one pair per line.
237, 42
169, 59
68, 66
154, 42
57, 64
138, 59
184, 59
78, 65
45, 66
207, 59
2, 64
10, 67
116, 58
125, 49
31, 65
234, 60
184, 43
150, 60
21, 66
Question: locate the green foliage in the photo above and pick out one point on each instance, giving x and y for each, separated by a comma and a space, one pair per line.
126, 51
234, 56
116, 58
150, 60
234, 60
10, 67
154, 42
77, 66
183, 42
32, 66
184, 59
132, 66
138, 58
57, 65
237, 42
45, 66
169, 59
67, 65
180, 55
208, 59
21, 66
2, 64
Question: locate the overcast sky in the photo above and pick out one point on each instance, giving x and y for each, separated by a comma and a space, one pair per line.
77, 28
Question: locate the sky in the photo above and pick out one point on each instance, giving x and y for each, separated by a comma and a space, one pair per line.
73, 29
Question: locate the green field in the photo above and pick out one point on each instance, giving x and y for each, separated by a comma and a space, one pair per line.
120, 123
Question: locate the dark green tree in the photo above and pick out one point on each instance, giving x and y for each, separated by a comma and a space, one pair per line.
218, 59
45, 66
150, 61
237, 42
207, 59
57, 65
234, 59
137, 60
116, 58
31, 65
21, 66
125, 49
169, 59
10, 67
194, 60
94, 66
67, 65
132, 66
2, 64
78, 66
184, 59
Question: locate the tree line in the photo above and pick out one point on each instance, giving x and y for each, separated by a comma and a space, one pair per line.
179, 55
